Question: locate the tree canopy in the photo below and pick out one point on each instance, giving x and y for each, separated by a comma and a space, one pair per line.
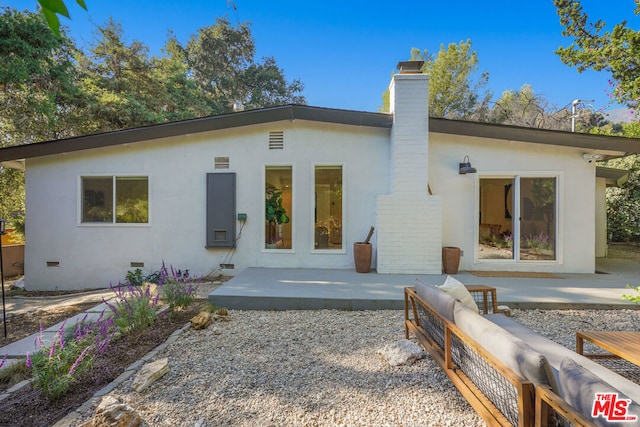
51, 89
455, 89
616, 51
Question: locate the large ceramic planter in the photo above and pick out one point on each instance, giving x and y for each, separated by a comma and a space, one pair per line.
362, 256
450, 259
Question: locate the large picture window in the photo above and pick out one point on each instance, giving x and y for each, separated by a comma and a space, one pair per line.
115, 199
518, 218
278, 195
328, 207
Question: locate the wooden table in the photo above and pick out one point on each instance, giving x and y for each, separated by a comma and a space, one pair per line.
623, 344
487, 292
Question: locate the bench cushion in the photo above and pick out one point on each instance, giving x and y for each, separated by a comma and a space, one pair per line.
457, 290
440, 301
578, 387
506, 347
556, 353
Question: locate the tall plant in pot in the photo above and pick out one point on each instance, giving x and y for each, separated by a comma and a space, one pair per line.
275, 215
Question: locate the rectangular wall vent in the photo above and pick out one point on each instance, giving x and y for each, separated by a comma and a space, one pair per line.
137, 264
276, 140
227, 266
221, 163
53, 263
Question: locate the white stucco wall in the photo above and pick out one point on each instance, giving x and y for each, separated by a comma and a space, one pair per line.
601, 218
93, 256
494, 158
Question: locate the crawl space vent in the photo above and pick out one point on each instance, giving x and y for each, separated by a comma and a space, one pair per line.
221, 162
276, 140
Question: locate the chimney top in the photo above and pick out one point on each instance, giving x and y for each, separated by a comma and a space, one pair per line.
410, 67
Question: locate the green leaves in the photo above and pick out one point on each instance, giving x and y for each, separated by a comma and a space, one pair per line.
52, 8
616, 51
456, 90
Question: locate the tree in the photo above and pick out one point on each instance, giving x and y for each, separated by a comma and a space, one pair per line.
38, 81
221, 62
38, 94
453, 91
183, 98
623, 203
526, 108
616, 51
120, 82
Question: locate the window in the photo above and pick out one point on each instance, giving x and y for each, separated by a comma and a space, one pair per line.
115, 199
278, 207
328, 207
518, 218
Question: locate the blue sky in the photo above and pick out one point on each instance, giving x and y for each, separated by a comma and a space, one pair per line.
345, 51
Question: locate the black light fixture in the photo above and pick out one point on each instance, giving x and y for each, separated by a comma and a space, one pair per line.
465, 167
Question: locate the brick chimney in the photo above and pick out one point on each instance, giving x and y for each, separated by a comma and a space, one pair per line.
409, 220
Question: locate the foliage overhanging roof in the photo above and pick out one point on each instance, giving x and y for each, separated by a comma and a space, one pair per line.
617, 146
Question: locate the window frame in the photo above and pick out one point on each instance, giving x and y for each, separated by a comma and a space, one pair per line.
559, 226
113, 223
328, 251
291, 215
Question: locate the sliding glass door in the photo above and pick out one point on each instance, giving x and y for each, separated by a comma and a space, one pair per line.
518, 218
538, 218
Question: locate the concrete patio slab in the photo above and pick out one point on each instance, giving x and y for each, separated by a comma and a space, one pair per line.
312, 289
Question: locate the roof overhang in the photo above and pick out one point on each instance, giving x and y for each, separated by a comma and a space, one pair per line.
607, 146
205, 124
14, 164
613, 177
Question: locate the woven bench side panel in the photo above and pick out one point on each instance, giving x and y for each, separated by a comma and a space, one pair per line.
432, 325
491, 383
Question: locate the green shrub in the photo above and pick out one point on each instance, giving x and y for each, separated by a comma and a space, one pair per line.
178, 288
56, 367
633, 298
134, 309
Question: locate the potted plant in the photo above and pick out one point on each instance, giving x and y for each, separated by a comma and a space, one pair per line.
275, 215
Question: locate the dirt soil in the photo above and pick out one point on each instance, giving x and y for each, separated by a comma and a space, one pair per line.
31, 407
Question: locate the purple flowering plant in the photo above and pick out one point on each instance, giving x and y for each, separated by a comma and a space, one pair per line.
134, 307
178, 288
56, 366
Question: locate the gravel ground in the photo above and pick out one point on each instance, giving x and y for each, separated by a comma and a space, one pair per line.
320, 368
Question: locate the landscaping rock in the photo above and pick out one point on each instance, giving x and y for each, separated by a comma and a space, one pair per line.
504, 309
112, 413
403, 352
222, 315
150, 373
201, 321
220, 318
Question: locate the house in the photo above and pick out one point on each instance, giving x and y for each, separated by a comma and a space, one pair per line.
192, 193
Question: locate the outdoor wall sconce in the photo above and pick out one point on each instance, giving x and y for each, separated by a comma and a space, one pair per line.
465, 167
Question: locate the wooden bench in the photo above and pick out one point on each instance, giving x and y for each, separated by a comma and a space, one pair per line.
496, 393
500, 395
